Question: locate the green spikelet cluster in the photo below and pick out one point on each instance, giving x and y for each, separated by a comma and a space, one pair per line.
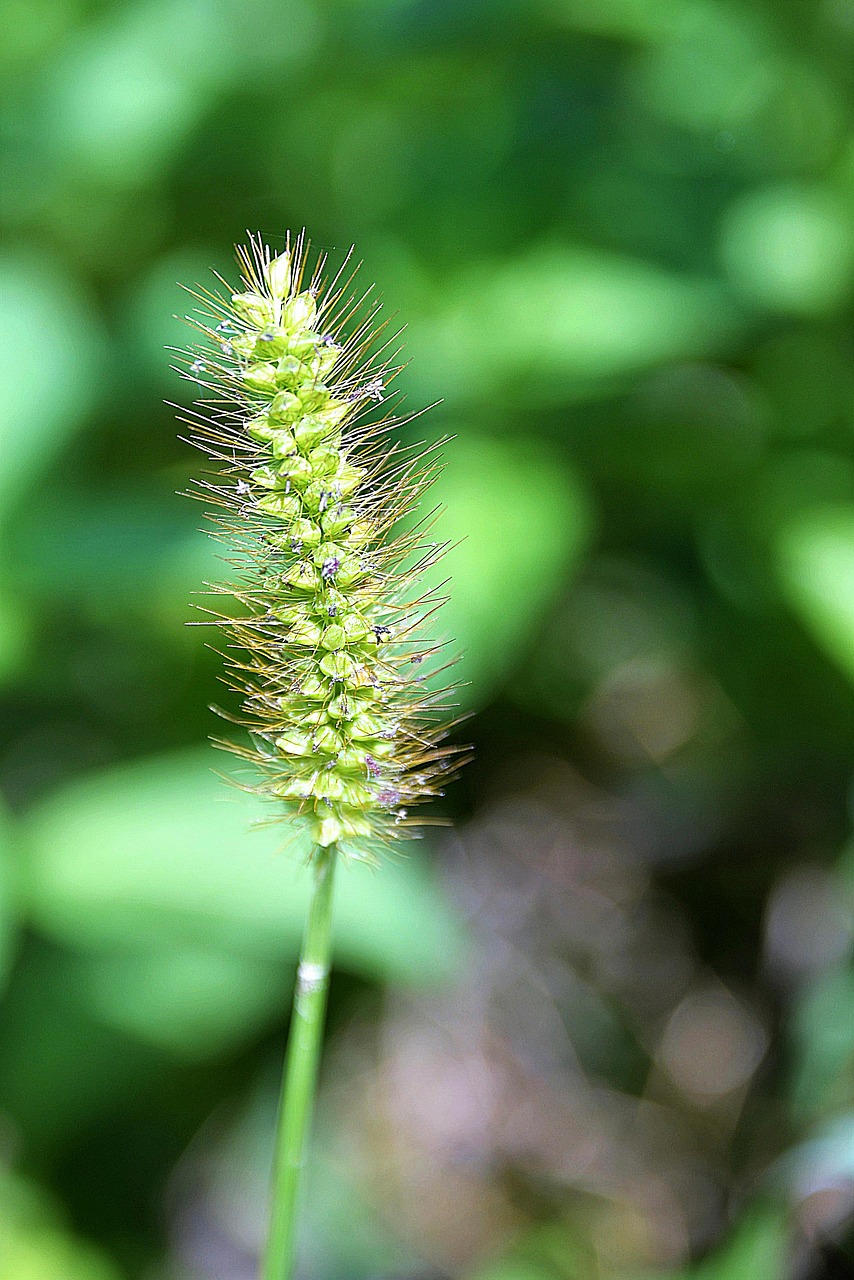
328, 652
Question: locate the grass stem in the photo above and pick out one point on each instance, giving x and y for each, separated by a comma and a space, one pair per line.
300, 1077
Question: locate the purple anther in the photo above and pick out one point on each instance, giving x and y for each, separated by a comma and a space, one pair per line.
382, 633
388, 798
296, 545
330, 567
267, 336
332, 610
324, 501
242, 488
374, 769
225, 326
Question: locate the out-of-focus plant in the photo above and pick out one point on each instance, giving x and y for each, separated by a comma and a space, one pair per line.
621, 235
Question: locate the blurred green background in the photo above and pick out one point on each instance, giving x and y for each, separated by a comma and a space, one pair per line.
603, 1029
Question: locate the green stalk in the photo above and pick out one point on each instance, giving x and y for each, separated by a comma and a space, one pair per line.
300, 1076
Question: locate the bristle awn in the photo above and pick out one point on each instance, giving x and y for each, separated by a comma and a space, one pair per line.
327, 650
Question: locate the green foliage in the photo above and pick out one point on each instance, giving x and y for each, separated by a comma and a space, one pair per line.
824, 1035
35, 1244
620, 235
47, 333
555, 324
8, 902
816, 566
759, 1247
516, 525
161, 853
543, 1254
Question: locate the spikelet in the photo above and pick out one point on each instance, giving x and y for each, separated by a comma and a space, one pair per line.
316, 502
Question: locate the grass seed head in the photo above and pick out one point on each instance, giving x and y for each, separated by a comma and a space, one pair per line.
329, 648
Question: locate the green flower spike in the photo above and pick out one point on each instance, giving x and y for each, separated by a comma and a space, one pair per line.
332, 661
328, 650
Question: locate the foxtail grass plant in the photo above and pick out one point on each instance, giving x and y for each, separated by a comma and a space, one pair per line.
328, 646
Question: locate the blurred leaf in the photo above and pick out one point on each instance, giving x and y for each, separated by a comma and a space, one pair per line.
815, 562
715, 69
823, 1032
118, 105
518, 522
159, 853
42, 1254
128, 554
558, 323
47, 338
7, 898
33, 27
758, 1247
546, 1253
790, 249
35, 1246
135, 85
155, 311
60, 1064
632, 19
14, 634
192, 1003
